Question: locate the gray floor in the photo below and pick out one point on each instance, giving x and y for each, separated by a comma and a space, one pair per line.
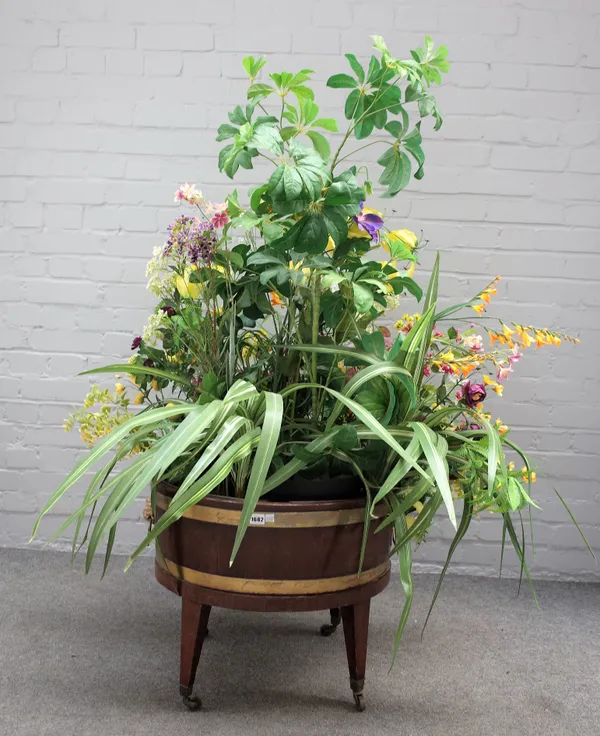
83, 656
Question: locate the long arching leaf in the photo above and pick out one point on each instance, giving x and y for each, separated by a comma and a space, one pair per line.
465, 520
366, 375
430, 442
262, 461
139, 370
150, 417
398, 472
201, 488
405, 566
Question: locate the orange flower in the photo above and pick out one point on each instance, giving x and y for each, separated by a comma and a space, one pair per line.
526, 339
479, 308
467, 368
275, 299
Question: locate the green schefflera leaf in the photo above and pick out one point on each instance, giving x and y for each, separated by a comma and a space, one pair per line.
248, 138
321, 144
253, 66
297, 182
396, 173
356, 67
342, 81
363, 297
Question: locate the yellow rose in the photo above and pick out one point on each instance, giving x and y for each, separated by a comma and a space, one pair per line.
185, 287
407, 237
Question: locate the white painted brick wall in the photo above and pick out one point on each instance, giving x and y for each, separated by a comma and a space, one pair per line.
107, 105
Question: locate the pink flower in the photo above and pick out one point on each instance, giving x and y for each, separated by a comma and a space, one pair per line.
516, 355
427, 371
475, 393
220, 219
459, 393
503, 372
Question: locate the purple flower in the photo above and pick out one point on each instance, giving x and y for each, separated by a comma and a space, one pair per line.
148, 363
169, 311
369, 221
192, 238
137, 341
474, 393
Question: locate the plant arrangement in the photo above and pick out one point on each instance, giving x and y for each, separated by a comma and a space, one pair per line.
271, 353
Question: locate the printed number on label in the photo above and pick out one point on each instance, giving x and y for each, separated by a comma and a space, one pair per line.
256, 519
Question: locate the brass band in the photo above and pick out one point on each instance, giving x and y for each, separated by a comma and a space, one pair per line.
282, 519
272, 587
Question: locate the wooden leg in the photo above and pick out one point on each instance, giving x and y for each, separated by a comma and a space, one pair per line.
335, 616
356, 632
194, 622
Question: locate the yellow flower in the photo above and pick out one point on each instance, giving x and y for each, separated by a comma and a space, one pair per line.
330, 247
155, 384
507, 331
479, 308
119, 388
511, 466
355, 232
185, 287
407, 237
498, 389
526, 339
138, 398
410, 270
533, 477
488, 381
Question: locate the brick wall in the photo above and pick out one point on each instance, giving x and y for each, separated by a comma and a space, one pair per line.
108, 105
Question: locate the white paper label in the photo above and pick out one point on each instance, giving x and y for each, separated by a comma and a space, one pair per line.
257, 519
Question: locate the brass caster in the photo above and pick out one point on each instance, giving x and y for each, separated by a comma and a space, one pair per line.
328, 629
359, 701
192, 702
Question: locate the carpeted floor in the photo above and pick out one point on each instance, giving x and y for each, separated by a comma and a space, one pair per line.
83, 657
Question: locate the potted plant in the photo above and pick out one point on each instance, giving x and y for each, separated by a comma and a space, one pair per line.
293, 442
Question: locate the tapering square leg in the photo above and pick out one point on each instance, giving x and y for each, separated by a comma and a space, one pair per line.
356, 632
194, 623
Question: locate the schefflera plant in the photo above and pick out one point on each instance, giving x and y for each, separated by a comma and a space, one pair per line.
307, 199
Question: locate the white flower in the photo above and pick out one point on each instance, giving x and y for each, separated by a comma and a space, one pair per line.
473, 343
189, 193
152, 331
334, 287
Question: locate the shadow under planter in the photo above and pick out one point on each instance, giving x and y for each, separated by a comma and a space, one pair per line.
296, 556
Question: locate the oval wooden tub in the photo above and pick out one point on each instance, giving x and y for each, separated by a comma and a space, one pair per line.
295, 556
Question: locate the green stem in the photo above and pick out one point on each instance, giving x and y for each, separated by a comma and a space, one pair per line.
356, 150
353, 125
316, 311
